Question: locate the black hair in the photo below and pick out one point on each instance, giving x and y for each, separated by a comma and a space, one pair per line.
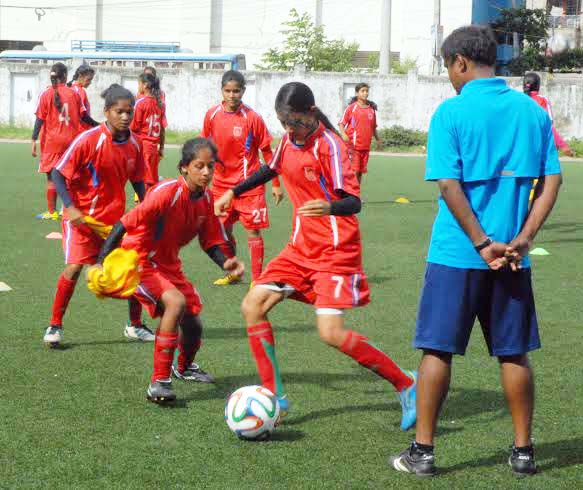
116, 92
58, 75
359, 86
298, 97
150, 69
191, 148
531, 82
233, 76
81, 71
153, 84
476, 43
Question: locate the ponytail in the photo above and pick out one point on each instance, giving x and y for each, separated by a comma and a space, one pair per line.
320, 116
152, 83
58, 75
531, 83
81, 71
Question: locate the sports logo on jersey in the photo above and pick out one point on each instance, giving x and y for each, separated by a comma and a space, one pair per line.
237, 131
310, 174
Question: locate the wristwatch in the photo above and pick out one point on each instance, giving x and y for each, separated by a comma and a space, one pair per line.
486, 243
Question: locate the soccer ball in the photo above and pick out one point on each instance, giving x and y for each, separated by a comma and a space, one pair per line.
251, 412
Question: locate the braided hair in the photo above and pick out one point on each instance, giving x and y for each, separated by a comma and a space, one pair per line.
58, 75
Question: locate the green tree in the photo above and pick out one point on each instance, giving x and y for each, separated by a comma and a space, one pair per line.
306, 44
530, 24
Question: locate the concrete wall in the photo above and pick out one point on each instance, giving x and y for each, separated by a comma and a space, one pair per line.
406, 100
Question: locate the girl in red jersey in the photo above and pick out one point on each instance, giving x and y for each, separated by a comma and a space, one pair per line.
531, 86
59, 113
90, 179
322, 264
357, 127
240, 133
173, 213
149, 123
82, 78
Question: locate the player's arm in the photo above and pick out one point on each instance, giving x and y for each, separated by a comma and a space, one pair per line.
139, 189
346, 206
73, 214
276, 190
111, 242
38, 124
87, 119
162, 141
342, 131
260, 177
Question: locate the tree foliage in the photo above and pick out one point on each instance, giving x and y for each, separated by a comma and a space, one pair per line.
306, 44
530, 24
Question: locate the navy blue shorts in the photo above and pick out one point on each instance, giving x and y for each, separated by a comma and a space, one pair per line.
452, 299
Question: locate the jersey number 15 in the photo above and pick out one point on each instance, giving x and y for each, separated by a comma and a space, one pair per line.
154, 125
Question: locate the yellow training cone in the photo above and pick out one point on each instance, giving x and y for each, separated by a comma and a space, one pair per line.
402, 200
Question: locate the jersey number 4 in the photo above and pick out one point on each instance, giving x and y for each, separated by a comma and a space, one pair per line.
64, 114
154, 126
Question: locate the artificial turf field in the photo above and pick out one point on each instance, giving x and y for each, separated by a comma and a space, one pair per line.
78, 418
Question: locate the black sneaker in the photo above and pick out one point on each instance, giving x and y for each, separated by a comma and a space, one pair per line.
414, 461
193, 373
160, 391
522, 462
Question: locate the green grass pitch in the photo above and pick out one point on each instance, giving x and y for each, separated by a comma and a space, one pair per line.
78, 418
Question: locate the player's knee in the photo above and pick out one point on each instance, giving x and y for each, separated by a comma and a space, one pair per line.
331, 336
72, 271
175, 302
251, 305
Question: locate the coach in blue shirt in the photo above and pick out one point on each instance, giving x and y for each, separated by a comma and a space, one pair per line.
486, 148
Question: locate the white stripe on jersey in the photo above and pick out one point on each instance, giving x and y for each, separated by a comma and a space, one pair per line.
337, 173
219, 107
296, 231
76, 141
156, 189
334, 225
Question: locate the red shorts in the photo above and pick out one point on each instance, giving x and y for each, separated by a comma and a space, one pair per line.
359, 160
154, 282
80, 244
321, 289
48, 161
151, 163
250, 210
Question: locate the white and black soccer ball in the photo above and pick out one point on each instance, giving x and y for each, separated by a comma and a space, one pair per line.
251, 412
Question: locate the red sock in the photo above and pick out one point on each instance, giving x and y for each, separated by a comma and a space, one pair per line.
164, 347
256, 250
187, 350
65, 290
262, 346
362, 351
51, 197
135, 308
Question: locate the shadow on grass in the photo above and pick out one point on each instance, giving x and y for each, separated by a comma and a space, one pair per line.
566, 227
224, 386
393, 203
93, 343
239, 331
561, 240
283, 435
549, 456
379, 279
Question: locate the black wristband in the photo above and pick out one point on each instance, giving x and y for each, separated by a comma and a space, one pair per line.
486, 243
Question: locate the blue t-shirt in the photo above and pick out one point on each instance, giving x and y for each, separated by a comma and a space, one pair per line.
495, 141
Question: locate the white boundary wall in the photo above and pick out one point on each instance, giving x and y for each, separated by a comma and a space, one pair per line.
406, 100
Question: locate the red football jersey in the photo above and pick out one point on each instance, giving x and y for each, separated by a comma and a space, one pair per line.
359, 124
168, 219
163, 99
77, 87
546, 105
97, 169
239, 136
149, 119
318, 170
60, 127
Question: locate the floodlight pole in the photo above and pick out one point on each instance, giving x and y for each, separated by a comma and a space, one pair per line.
515, 43
318, 13
437, 38
98, 20
385, 51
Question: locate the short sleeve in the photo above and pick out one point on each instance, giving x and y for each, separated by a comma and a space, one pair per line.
374, 119
136, 124
275, 163
212, 231
76, 157
334, 158
550, 164
82, 107
150, 209
261, 133
443, 155
206, 126
346, 116
140, 167
43, 106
